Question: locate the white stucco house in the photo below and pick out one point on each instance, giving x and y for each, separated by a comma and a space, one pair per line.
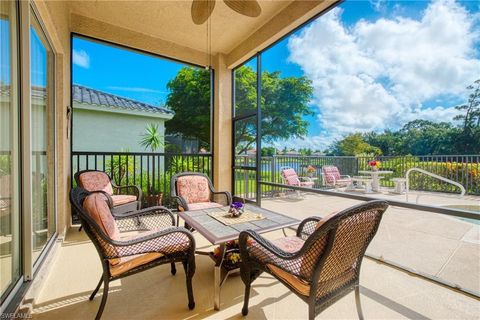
107, 122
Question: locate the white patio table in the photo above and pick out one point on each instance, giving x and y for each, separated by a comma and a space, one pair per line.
375, 177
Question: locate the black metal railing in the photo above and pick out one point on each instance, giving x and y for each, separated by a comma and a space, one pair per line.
150, 171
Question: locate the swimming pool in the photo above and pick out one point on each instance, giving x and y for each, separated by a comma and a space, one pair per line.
467, 207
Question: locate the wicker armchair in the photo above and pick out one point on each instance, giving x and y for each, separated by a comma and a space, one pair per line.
195, 191
321, 264
157, 241
121, 199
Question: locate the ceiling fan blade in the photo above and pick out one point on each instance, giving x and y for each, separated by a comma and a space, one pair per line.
201, 10
249, 8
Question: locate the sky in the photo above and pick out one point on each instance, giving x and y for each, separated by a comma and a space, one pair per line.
122, 72
374, 65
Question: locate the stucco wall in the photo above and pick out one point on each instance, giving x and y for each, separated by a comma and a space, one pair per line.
109, 131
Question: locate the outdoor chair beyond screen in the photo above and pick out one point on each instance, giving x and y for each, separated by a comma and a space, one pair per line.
331, 177
291, 178
121, 199
195, 191
156, 241
321, 264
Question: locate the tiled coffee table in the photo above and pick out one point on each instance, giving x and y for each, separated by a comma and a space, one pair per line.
218, 234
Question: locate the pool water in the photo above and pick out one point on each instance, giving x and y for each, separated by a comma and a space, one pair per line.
472, 208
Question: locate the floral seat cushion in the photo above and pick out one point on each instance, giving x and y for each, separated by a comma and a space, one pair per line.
96, 181
122, 199
193, 189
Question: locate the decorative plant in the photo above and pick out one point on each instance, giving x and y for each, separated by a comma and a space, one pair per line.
374, 164
236, 209
311, 169
152, 139
232, 255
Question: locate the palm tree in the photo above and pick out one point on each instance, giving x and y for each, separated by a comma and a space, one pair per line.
151, 139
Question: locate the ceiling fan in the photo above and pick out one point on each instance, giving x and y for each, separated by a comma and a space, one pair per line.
202, 9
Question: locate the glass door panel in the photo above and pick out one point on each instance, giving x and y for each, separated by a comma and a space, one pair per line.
42, 137
245, 142
10, 258
245, 166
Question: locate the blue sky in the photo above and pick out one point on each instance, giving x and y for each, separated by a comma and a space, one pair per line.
123, 72
398, 58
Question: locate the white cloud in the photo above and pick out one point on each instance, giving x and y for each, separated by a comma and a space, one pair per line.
379, 74
81, 58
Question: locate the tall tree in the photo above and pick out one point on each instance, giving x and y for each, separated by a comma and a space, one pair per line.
471, 118
284, 103
352, 145
189, 98
467, 140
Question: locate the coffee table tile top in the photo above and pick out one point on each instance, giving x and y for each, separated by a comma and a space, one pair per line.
216, 232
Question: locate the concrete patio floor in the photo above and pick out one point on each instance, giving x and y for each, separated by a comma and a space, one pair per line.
387, 293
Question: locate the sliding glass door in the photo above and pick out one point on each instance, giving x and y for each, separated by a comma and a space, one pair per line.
42, 137
10, 257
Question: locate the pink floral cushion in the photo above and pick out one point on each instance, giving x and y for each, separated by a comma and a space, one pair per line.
289, 244
203, 205
193, 189
122, 199
96, 206
331, 174
96, 181
302, 266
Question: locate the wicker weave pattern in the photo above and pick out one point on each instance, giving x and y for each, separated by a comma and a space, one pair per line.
329, 261
159, 235
353, 235
308, 227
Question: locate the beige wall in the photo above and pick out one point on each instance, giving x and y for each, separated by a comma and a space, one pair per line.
222, 125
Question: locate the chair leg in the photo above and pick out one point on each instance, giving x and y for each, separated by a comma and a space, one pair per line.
96, 289
357, 301
311, 312
80, 229
173, 269
189, 276
104, 300
246, 299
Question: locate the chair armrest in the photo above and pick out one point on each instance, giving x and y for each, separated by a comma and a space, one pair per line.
137, 190
227, 194
166, 241
307, 227
346, 176
145, 219
181, 202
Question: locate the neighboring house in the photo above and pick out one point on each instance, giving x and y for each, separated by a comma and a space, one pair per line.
107, 122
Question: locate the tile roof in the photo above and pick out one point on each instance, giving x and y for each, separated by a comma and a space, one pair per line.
107, 100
